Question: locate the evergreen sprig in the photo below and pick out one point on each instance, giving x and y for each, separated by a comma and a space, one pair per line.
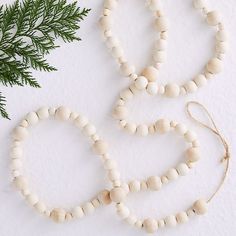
28, 30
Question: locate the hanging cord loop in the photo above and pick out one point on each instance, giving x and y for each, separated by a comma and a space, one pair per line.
213, 128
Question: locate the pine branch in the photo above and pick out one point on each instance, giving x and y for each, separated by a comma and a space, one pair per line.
28, 30
2, 107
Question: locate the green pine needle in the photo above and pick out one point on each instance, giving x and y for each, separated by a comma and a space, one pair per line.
28, 30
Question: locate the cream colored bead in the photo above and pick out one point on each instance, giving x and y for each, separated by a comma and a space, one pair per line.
131, 128
105, 22
110, 164
16, 152
154, 5
182, 169
161, 89
152, 88
161, 45
164, 180
32, 118
151, 129
221, 47
161, 223
21, 182
123, 211
63, 113
110, 4
88, 208
222, 36
100, 147
182, 217
126, 95
117, 194
52, 111
150, 225
162, 24
181, 129
96, 203
104, 197
142, 130
43, 113
32, 199
138, 224
120, 112
200, 80
131, 219
200, 207
172, 174
20, 133
58, 215
162, 126
190, 86
122, 123
77, 212
106, 12
159, 56
154, 183
24, 123
190, 212
40, 207
112, 42
143, 185
127, 69
141, 82
113, 175
199, 4
172, 90
16, 164
214, 66
134, 186
150, 73
190, 136
171, 221
193, 154
89, 129
81, 121
16, 173
117, 52
213, 18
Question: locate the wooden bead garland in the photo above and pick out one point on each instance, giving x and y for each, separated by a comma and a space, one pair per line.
147, 78
100, 147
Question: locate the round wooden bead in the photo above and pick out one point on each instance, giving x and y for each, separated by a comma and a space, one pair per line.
20, 133
16, 152
162, 24
150, 225
200, 207
110, 164
199, 4
120, 112
112, 42
89, 129
213, 18
127, 69
162, 126
104, 197
32, 118
58, 215
182, 217
193, 154
123, 211
172, 174
222, 36
117, 194
200, 80
81, 121
152, 88
110, 4
126, 95
141, 82
154, 5
21, 182
40, 207
63, 113
134, 186
43, 113
172, 90
154, 183
181, 129
190, 136
159, 56
77, 212
117, 52
131, 128
161, 45
142, 130
16, 164
32, 199
105, 22
113, 175
100, 147
182, 169
88, 208
151, 73
190, 86
171, 221
214, 66
221, 47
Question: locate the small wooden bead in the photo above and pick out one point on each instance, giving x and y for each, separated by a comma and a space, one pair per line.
77, 212
104, 197
126, 95
151, 73
182, 217
43, 113
162, 126
131, 128
88, 208
161, 45
134, 186
16, 173
141, 82
182, 169
200, 207
154, 5
162, 24
159, 56
63, 113
221, 47
58, 215
105, 22
172, 90
171, 221
131, 219
20, 182
161, 89
161, 223
16, 164
152, 88
117, 52
89, 130
123, 211
117, 194
112, 42
190, 136
222, 36
40, 207
190, 86
143, 185
200, 80
213, 18
154, 183
142, 130
68, 216
32, 199
110, 4
16, 152
172, 174
24, 123
96, 203
199, 4
110, 164
113, 175
150, 225
138, 224
214, 66
32, 118
164, 180
20, 133
193, 154
127, 69
100, 147
120, 112
181, 129
151, 129
106, 12
122, 123
190, 212
52, 111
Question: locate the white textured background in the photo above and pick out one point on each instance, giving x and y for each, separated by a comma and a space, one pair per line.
58, 159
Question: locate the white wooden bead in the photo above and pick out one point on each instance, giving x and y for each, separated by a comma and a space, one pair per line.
172, 174
58, 215
131, 219
190, 86
16, 152
100, 147
154, 183
141, 82
105, 22
193, 154
182, 217
182, 169
134, 186
150, 225
162, 24
117, 194
161, 45
200, 207
159, 56
16, 173
213, 18
214, 66
152, 88
131, 128
123, 211
32, 118
123, 123
151, 129
112, 42
162, 126
222, 36
143, 185
117, 52
120, 112
20, 133
138, 224
199, 4
43, 113
77, 212
106, 12
21, 182
150, 73
161, 223
32, 199
89, 129
200, 80
164, 180
110, 4
142, 130
154, 5
172, 90
127, 69
161, 89
16, 164
190, 136
126, 95
113, 175
40, 207
24, 123
63, 113
171, 221
221, 47
81, 121
88, 208
73, 116
110, 164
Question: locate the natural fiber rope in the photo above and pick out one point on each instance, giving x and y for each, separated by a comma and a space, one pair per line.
216, 131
